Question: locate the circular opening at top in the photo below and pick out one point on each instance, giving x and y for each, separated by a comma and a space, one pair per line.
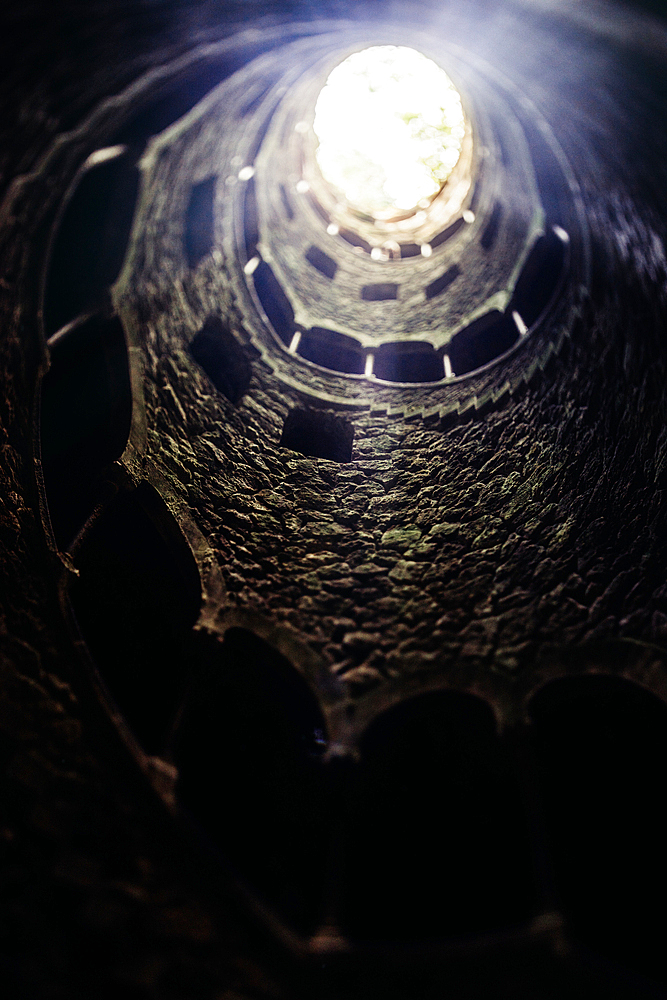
390, 127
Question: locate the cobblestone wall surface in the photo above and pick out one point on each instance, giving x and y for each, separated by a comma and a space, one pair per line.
481, 541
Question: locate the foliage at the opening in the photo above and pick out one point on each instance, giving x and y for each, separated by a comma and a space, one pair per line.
390, 126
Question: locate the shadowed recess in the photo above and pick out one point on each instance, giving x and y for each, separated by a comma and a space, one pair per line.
354, 240
444, 281
91, 240
249, 753
437, 843
601, 745
319, 435
318, 207
199, 221
260, 128
505, 157
217, 352
477, 189
86, 410
287, 204
446, 234
332, 350
483, 340
322, 262
255, 98
408, 361
250, 219
135, 601
492, 226
379, 293
539, 278
275, 303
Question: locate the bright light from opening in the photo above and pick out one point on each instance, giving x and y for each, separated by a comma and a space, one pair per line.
390, 127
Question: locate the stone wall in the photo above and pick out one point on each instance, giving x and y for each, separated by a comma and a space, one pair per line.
484, 551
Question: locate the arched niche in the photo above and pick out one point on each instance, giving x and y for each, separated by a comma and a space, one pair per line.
85, 417
135, 600
91, 239
249, 751
438, 844
220, 356
601, 746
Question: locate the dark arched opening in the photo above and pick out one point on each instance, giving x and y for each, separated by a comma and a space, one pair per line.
438, 844
86, 411
249, 752
601, 746
136, 599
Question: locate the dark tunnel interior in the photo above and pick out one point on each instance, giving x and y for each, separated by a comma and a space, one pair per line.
333, 601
